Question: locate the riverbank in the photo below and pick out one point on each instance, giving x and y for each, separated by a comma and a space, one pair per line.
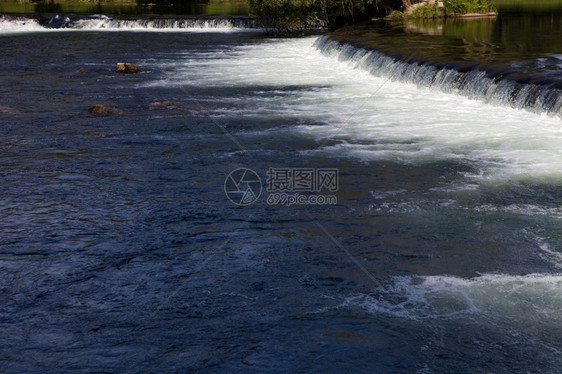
434, 9
128, 7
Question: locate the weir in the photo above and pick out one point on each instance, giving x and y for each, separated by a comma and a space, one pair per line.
105, 22
493, 84
478, 82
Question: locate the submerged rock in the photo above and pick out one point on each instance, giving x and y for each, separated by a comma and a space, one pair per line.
5, 110
102, 109
99, 109
163, 105
128, 68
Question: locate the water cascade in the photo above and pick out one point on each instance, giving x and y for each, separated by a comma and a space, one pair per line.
479, 83
103, 22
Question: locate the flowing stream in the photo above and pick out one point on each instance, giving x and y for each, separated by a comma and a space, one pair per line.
121, 252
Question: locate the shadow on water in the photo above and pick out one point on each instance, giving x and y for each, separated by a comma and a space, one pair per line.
521, 47
511, 36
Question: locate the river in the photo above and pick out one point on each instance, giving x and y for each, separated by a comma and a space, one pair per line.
252, 204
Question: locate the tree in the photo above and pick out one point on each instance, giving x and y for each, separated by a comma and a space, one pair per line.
289, 16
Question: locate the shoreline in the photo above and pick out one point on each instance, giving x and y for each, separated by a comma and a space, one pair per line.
478, 15
126, 8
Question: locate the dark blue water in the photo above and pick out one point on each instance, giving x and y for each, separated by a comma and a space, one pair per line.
121, 252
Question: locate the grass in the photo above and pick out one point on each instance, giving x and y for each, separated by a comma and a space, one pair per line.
428, 12
452, 8
468, 6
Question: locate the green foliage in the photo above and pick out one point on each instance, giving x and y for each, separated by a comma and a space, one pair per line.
287, 16
452, 7
467, 6
290, 16
428, 12
395, 15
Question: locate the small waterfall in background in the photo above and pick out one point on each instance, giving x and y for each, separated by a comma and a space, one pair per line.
103, 22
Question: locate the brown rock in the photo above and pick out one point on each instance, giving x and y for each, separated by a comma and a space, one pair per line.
127, 68
98, 109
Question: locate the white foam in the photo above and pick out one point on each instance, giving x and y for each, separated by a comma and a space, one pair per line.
534, 299
548, 253
18, 25
370, 117
104, 23
523, 209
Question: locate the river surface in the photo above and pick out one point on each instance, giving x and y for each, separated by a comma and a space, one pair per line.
168, 236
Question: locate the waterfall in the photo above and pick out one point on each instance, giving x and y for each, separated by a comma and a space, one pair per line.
477, 83
102, 22
105, 22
